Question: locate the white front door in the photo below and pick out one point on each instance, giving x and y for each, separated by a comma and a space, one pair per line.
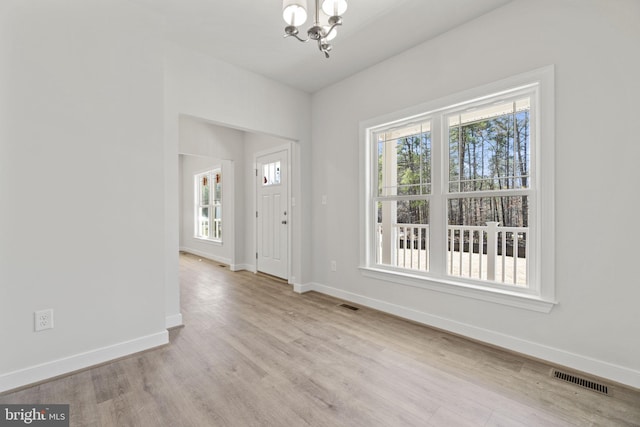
272, 215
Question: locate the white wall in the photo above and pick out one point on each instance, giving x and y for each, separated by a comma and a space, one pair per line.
81, 157
199, 138
224, 95
594, 46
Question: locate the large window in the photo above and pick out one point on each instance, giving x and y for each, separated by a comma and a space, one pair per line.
208, 205
453, 194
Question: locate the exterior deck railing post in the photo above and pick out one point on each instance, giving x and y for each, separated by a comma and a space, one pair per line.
492, 249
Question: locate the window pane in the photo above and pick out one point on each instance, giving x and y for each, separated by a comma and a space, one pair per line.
510, 211
402, 234
276, 175
217, 231
489, 148
203, 222
204, 189
488, 238
271, 173
217, 189
404, 160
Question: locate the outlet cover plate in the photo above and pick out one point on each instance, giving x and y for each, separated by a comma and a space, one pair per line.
43, 319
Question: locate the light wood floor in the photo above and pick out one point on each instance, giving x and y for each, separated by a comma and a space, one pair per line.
254, 353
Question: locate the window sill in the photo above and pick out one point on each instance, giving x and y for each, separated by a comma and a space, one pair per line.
210, 241
498, 296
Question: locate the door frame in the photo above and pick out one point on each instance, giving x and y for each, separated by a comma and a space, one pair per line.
288, 147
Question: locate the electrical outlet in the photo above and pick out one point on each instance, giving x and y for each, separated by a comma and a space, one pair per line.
334, 266
44, 319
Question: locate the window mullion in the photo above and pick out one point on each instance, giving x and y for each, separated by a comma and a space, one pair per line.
371, 166
438, 217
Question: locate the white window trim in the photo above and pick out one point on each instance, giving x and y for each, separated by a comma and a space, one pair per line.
541, 296
196, 197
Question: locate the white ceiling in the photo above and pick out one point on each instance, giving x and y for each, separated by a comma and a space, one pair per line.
248, 33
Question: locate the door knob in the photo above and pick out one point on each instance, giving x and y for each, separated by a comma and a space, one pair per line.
284, 222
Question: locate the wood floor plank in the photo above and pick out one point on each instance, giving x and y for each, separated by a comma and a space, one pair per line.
255, 353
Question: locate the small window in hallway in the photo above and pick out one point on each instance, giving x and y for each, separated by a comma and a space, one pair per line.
208, 205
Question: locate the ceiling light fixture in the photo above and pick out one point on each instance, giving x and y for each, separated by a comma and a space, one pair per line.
294, 13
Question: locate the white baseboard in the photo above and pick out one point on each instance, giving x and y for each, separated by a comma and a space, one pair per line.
243, 267
37, 373
205, 255
173, 321
223, 260
619, 374
301, 289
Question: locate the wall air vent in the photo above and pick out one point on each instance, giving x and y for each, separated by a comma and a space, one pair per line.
582, 382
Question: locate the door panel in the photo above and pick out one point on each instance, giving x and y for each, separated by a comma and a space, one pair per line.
272, 216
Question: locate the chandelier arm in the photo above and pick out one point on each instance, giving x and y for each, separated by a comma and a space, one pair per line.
296, 36
337, 24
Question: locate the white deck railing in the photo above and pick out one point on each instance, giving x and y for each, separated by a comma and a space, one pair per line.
411, 248
488, 252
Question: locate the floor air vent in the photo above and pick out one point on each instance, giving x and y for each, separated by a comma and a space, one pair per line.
582, 382
350, 307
